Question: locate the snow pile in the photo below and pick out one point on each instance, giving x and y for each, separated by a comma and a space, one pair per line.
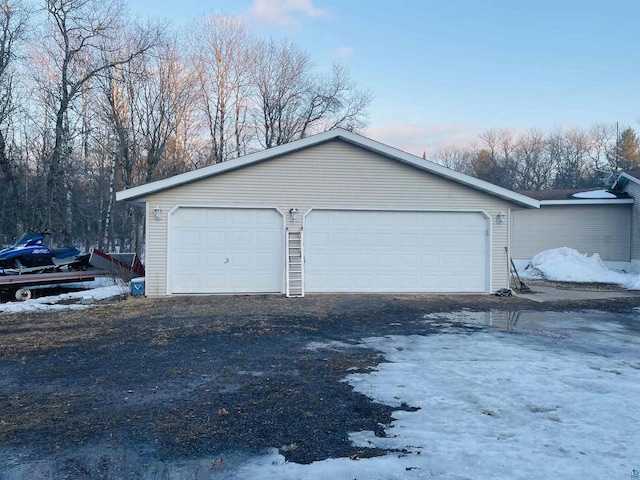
67, 301
565, 264
596, 194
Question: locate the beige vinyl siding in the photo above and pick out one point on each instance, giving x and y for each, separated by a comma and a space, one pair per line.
602, 229
633, 189
334, 174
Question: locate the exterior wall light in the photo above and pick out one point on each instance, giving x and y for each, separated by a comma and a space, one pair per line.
500, 218
157, 212
294, 214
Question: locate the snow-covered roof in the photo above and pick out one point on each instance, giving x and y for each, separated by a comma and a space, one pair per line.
594, 194
580, 196
335, 134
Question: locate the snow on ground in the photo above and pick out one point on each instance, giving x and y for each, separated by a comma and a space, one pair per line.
493, 406
103, 289
568, 265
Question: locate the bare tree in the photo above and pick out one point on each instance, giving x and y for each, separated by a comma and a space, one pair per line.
455, 158
292, 102
335, 101
223, 55
535, 167
13, 24
281, 78
79, 44
570, 151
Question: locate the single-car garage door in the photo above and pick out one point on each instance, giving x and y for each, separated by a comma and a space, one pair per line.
226, 250
396, 251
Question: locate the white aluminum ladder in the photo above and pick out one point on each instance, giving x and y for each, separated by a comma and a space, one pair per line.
295, 264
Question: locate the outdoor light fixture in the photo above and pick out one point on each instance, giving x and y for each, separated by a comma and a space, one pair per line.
157, 212
500, 218
294, 214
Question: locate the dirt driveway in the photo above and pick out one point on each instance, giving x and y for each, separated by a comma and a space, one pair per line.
112, 391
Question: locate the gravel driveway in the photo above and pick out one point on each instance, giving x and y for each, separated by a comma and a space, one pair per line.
116, 391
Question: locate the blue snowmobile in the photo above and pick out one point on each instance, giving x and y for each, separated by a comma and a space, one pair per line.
30, 254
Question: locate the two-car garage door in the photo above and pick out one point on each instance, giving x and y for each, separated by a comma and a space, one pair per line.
226, 250
242, 250
395, 251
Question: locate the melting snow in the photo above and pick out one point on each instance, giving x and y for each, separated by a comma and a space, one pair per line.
492, 406
52, 303
568, 265
594, 194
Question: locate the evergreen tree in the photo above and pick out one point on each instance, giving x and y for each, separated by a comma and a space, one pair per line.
626, 154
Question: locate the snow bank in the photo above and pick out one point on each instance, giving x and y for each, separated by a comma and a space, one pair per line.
565, 264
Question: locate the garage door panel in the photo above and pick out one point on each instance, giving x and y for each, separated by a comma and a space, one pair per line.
228, 250
385, 251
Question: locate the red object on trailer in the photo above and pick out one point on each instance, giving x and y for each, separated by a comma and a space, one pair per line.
124, 265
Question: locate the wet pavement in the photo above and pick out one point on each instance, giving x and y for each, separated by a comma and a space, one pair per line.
543, 293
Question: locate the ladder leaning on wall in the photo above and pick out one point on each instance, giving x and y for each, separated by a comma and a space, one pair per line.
295, 264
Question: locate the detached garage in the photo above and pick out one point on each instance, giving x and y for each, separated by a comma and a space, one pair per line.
332, 213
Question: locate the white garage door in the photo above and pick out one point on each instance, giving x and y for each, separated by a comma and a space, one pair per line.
226, 250
393, 251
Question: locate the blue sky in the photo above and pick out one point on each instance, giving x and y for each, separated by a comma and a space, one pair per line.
443, 71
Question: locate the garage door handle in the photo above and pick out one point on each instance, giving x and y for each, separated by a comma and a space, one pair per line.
227, 260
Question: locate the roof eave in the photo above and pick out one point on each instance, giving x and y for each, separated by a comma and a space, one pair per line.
442, 171
589, 201
345, 135
218, 168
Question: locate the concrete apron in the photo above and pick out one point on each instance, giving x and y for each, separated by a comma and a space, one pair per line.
540, 293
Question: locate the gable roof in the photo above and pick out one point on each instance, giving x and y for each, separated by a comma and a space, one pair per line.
625, 177
335, 134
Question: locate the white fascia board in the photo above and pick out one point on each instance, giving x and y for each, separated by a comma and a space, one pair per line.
439, 170
337, 133
218, 168
628, 177
593, 201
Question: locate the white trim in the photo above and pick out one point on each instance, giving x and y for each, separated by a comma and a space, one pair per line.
603, 201
338, 133
489, 281
302, 289
395, 209
219, 207
628, 177
488, 218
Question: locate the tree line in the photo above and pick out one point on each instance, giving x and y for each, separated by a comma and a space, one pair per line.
560, 158
92, 102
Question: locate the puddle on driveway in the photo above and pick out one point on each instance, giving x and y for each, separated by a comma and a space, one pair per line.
592, 331
543, 323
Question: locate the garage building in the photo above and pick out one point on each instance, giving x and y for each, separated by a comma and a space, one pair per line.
332, 213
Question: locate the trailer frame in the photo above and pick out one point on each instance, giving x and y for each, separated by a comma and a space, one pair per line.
11, 284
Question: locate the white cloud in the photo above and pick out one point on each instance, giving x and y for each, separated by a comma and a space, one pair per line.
285, 12
343, 53
417, 138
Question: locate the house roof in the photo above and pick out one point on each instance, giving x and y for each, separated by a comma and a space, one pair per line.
336, 134
551, 194
624, 178
635, 174
567, 196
